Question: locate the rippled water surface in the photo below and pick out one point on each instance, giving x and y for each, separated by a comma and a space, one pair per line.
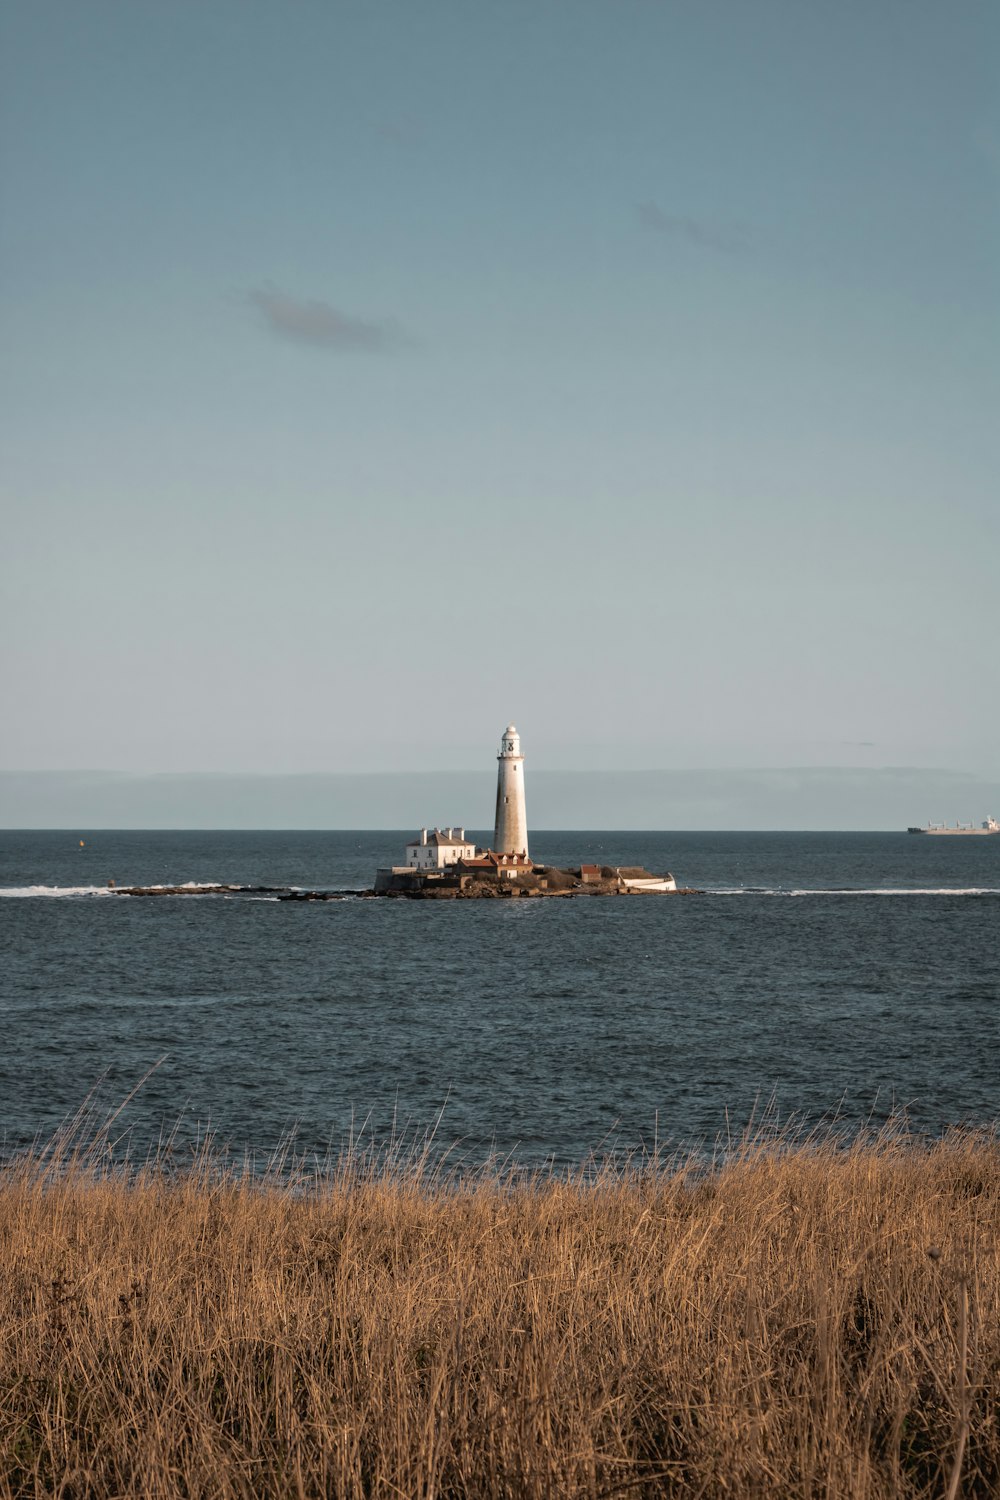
843, 974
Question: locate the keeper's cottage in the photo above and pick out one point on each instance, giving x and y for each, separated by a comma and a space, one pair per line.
438, 849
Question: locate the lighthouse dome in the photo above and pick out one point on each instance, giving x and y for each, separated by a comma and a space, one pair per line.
510, 729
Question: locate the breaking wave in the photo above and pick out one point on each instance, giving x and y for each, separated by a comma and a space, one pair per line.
55, 890
104, 890
875, 890
190, 885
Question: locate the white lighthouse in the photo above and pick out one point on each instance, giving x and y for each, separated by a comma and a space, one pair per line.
510, 832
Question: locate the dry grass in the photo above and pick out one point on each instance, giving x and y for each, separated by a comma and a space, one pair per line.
807, 1322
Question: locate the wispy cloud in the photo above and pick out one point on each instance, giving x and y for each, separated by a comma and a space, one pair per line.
728, 238
325, 327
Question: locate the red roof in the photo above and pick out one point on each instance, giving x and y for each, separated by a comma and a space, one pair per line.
493, 861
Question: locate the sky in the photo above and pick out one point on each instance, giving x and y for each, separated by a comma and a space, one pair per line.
373, 374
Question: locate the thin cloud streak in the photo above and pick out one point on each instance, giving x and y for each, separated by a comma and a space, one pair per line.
324, 327
678, 226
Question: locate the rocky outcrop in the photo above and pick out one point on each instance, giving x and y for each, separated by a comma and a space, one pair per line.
542, 881
279, 892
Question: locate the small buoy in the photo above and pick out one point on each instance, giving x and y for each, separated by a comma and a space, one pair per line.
81, 843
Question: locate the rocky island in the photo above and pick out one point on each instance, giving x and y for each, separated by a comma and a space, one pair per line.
442, 864
449, 884
460, 882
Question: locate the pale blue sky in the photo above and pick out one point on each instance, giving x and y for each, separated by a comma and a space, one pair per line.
375, 373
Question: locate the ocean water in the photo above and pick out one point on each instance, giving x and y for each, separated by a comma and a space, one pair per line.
820, 979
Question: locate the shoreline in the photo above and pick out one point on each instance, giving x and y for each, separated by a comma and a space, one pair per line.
546, 882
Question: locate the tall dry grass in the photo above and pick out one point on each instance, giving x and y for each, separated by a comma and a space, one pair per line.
812, 1321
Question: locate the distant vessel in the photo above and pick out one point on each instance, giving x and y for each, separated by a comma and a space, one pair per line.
989, 825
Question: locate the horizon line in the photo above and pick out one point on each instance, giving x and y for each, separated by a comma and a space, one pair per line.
475, 770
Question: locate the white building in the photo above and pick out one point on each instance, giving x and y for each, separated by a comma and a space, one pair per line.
437, 849
652, 884
510, 829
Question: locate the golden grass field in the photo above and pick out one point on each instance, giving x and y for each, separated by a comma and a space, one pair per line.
798, 1321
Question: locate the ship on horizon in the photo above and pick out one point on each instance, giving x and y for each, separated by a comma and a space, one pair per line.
988, 825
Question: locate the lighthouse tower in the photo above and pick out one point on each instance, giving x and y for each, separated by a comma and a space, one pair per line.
510, 833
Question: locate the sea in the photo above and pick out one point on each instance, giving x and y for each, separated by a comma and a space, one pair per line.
819, 982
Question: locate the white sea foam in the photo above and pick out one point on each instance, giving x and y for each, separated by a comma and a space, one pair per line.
876, 890
190, 885
103, 890
737, 890
56, 890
